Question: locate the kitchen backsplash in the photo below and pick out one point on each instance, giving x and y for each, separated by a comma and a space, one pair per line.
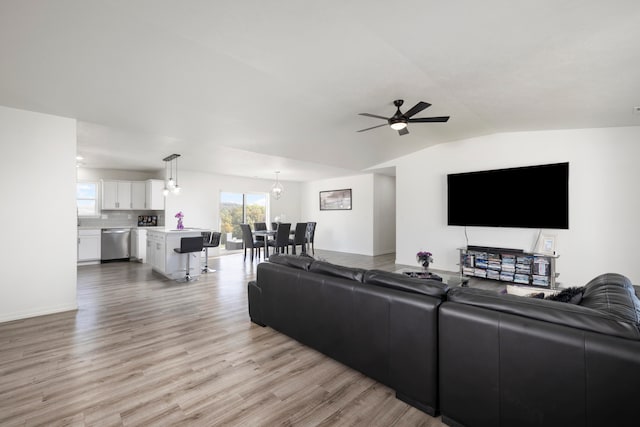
119, 219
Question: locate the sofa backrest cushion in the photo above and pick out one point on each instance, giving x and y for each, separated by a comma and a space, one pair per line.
401, 282
576, 316
614, 294
323, 267
296, 261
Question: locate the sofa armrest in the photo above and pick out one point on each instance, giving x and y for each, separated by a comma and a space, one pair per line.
255, 303
302, 261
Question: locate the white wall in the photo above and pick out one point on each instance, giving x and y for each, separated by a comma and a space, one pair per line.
39, 237
199, 199
384, 214
342, 231
371, 219
604, 199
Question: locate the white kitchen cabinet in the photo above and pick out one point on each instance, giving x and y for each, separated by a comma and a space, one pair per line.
139, 244
161, 259
155, 241
139, 195
89, 245
133, 195
116, 195
109, 194
156, 254
151, 253
154, 194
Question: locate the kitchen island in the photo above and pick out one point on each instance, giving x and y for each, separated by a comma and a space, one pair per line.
161, 243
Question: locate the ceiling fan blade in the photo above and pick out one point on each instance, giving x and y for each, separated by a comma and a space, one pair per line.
429, 119
373, 127
373, 115
417, 108
403, 131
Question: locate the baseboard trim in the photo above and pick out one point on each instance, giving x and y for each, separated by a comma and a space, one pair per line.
43, 312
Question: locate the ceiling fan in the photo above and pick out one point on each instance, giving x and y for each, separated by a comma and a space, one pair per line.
399, 121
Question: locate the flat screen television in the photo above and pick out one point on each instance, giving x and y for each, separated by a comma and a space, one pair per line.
524, 197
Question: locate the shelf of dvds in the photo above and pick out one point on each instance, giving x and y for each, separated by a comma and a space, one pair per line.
509, 265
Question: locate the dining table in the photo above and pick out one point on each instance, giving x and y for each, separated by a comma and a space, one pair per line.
267, 234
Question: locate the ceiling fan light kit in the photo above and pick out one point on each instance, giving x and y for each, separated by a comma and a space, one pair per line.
399, 121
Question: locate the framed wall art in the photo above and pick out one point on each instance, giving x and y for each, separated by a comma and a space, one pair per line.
335, 200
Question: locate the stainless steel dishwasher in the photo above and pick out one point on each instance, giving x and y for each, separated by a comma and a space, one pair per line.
115, 244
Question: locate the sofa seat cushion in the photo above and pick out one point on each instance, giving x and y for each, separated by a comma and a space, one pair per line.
401, 282
614, 294
296, 261
323, 267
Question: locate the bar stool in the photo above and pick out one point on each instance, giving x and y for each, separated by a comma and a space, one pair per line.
212, 242
187, 246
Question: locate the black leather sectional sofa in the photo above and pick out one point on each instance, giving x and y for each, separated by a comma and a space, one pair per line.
479, 358
380, 323
507, 360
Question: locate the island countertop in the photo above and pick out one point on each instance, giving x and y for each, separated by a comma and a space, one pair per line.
176, 231
109, 227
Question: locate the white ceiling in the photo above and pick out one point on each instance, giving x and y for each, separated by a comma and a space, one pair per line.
250, 87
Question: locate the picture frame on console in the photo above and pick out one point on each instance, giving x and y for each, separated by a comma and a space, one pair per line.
546, 245
335, 200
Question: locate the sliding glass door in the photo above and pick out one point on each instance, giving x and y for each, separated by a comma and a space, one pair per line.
238, 208
255, 208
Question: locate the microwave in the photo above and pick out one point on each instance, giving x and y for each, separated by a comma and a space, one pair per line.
147, 220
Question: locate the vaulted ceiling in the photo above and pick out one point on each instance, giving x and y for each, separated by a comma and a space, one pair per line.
250, 87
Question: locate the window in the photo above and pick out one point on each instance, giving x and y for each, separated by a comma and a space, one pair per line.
87, 198
238, 208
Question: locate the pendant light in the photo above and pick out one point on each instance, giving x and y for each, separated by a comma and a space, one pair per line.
165, 190
176, 187
171, 185
277, 189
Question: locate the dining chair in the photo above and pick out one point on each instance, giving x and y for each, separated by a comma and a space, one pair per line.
260, 226
311, 232
281, 242
249, 243
299, 238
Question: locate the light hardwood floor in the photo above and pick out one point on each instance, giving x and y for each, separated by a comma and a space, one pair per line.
143, 350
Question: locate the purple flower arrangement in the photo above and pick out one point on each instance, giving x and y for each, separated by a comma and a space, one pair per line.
179, 215
424, 258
